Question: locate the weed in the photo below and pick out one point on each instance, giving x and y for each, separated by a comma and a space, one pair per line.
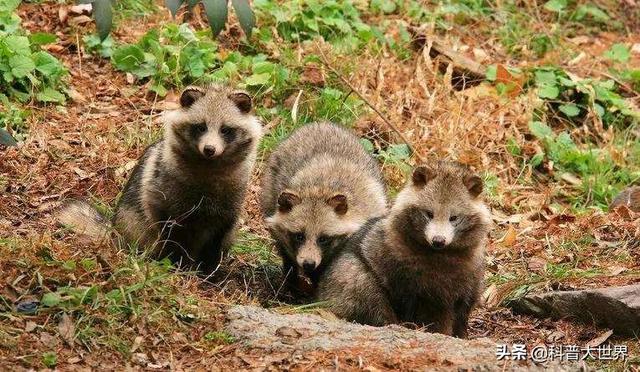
336, 21
27, 71
219, 336
600, 175
256, 246
93, 44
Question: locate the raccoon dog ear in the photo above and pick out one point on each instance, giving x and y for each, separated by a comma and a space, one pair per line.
287, 200
242, 100
421, 175
339, 203
474, 185
190, 95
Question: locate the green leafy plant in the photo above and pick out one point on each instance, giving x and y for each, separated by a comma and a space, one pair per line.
102, 47
216, 11
304, 20
26, 71
601, 177
618, 53
574, 97
173, 56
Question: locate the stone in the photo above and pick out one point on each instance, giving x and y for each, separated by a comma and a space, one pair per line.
258, 328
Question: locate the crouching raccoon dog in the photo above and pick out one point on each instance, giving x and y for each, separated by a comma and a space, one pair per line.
423, 262
320, 187
184, 196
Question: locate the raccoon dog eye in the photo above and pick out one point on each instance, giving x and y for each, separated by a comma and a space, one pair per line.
226, 130
298, 237
201, 127
323, 240
453, 218
429, 214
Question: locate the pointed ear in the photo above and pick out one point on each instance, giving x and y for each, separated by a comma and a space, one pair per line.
287, 200
339, 203
242, 100
421, 175
190, 95
474, 185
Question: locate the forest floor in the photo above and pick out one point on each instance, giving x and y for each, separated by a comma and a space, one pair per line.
103, 307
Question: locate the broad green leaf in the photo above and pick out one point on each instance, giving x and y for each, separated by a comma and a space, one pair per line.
555, 5
399, 151
367, 144
599, 109
9, 5
18, 45
50, 95
127, 57
491, 72
258, 79
42, 38
216, 14
103, 14
570, 109
173, 6
6, 139
540, 130
50, 299
47, 64
619, 53
245, 15
545, 77
592, 11
21, 65
548, 91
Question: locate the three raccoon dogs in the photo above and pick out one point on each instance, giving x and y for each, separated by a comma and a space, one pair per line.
422, 263
184, 196
320, 187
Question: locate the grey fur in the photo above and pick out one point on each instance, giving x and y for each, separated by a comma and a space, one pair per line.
390, 271
320, 183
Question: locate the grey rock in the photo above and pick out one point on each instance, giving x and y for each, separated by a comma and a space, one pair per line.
258, 328
616, 308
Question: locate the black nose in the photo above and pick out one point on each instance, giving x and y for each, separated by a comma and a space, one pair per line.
209, 151
308, 266
438, 241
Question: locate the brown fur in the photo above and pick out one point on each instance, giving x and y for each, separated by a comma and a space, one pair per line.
184, 196
393, 271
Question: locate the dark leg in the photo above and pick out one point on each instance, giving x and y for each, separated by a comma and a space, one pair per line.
461, 317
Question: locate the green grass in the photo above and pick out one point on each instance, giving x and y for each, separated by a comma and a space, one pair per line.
258, 248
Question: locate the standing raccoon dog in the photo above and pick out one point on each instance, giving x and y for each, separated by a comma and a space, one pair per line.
423, 262
184, 196
320, 187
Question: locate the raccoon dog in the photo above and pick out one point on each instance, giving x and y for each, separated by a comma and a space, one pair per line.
423, 262
184, 196
320, 187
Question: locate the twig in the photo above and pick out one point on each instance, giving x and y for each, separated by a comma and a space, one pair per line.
375, 109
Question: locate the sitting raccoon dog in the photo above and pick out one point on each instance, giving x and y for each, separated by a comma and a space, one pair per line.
184, 196
423, 262
320, 187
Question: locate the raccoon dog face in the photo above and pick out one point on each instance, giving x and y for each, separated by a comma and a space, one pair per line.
440, 208
311, 227
213, 124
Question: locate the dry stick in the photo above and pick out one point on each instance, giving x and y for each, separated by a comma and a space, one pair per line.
384, 118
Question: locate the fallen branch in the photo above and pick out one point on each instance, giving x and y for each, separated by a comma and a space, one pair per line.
466, 71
